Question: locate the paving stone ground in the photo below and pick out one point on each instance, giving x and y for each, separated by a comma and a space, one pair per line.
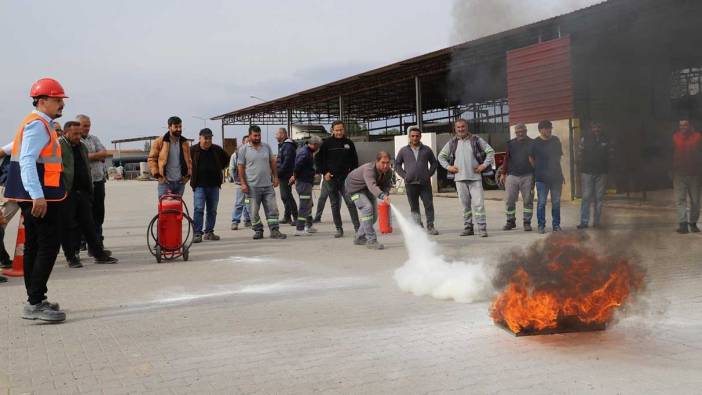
319, 315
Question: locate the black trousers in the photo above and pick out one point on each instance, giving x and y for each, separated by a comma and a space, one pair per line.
41, 246
99, 206
78, 219
288, 199
337, 191
414, 193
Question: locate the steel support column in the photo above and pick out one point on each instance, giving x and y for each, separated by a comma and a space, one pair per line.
290, 120
342, 110
418, 101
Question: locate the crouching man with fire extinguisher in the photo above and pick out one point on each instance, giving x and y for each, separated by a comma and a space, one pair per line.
365, 185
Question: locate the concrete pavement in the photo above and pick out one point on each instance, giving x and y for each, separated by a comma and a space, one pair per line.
315, 314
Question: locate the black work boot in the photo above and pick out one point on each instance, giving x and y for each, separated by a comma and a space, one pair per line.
258, 235
694, 228
339, 233
682, 229
468, 231
511, 224
74, 262
527, 227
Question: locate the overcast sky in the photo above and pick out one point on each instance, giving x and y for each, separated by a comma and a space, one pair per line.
131, 64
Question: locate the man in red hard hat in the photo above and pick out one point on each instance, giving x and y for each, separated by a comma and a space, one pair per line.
34, 181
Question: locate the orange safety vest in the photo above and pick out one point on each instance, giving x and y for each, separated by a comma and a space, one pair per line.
49, 166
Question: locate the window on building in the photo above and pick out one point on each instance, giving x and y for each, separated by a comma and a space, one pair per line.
686, 82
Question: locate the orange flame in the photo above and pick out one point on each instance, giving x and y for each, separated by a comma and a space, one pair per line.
577, 286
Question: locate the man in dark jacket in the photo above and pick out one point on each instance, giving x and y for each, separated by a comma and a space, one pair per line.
416, 163
365, 185
336, 158
77, 213
517, 175
594, 153
303, 178
286, 165
545, 157
208, 162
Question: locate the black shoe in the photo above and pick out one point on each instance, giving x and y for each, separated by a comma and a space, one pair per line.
74, 262
339, 233
682, 229
105, 259
3, 279
694, 228
468, 232
6, 263
104, 252
509, 225
317, 220
275, 234
582, 226
527, 227
258, 235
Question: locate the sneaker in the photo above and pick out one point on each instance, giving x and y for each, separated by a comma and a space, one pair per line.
310, 229
247, 224
74, 262
468, 232
374, 245
527, 227
557, 228
211, 236
509, 225
339, 233
682, 229
583, 226
197, 239
360, 241
105, 260
275, 234
431, 230
694, 228
234, 226
542, 230
302, 232
53, 306
42, 311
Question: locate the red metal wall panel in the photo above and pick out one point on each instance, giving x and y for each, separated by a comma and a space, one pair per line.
539, 82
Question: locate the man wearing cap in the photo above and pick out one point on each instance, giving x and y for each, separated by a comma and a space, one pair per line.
34, 181
169, 159
208, 162
303, 178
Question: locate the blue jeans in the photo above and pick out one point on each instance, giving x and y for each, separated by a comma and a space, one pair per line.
175, 187
241, 206
205, 197
594, 186
542, 190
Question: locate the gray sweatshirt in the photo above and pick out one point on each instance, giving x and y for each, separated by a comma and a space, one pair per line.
416, 170
465, 159
367, 177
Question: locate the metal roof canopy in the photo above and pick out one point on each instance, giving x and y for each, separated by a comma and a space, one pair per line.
429, 83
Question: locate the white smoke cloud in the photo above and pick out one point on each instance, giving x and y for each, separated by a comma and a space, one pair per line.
426, 272
479, 18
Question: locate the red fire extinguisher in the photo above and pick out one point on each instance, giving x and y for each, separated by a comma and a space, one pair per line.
384, 220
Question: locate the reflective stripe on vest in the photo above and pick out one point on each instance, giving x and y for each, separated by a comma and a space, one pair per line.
49, 165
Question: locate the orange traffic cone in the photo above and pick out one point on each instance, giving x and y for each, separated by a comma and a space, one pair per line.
18, 262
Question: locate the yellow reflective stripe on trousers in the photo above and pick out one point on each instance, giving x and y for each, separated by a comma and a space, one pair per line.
366, 218
355, 197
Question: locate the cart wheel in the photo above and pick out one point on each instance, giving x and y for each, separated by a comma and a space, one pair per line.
158, 253
186, 254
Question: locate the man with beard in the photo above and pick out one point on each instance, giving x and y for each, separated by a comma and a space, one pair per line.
77, 211
34, 180
336, 158
546, 153
169, 159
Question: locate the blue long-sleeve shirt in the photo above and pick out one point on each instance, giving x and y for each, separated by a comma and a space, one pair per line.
35, 138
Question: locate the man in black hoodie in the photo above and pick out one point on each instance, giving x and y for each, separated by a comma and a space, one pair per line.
286, 165
336, 158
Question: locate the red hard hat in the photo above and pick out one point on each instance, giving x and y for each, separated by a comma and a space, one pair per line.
47, 87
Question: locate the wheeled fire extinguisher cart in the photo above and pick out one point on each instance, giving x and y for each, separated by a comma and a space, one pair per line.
166, 238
